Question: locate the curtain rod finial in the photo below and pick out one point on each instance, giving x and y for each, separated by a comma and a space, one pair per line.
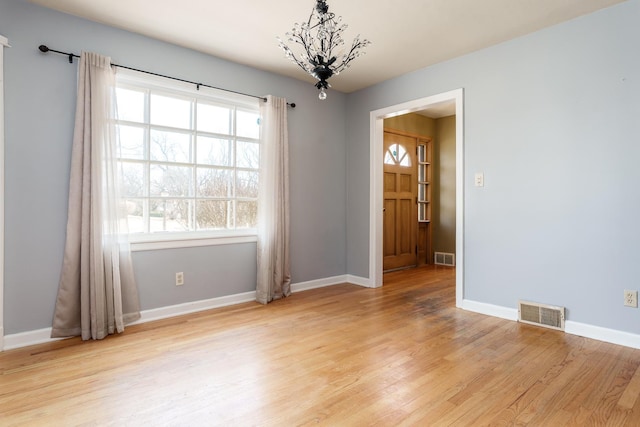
43, 48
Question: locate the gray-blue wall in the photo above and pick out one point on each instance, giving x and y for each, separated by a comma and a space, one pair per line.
553, 121
39, 111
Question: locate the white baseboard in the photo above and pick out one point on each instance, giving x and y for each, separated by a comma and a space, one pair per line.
24, 339
490, 309
330, 281
360, 281
193, 307
612, 336
41, 336
319, 283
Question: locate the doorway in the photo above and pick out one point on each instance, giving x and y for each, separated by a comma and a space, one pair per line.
376, 211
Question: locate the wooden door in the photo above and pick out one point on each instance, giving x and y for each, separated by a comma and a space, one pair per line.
400, 209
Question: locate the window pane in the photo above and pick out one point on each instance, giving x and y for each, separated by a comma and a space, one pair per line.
422, 212
170, 146
131, 142
169, 215
130, 104
172, 112
246, 184
168, 181
214, 151
246, 214
247, 124
248, 155
213, 214
135, 216
405, 160
214, 182
132, 179
388, 159
214, 119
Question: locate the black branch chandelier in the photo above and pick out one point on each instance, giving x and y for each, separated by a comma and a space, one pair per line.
323, 53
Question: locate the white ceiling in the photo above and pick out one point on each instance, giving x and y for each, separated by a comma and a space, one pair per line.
406, 35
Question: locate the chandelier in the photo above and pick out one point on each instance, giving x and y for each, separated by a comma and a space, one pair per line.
323, 53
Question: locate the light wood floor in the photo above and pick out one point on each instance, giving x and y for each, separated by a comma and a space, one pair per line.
339, 356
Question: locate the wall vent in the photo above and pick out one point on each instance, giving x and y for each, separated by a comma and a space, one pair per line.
443, 258
549, 316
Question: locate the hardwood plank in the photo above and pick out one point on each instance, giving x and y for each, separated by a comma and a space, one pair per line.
631, 393
400, 355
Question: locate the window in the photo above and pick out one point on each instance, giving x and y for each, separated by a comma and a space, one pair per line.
397, 155
424, 180
190, 160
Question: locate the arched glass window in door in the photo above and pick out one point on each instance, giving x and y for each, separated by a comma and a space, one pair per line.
397, 155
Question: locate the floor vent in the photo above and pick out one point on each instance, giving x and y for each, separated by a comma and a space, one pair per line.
443, 258
549, 316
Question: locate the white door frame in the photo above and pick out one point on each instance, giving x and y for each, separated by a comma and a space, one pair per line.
3, 43
375, 182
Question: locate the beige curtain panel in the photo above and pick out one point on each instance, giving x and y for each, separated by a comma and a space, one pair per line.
97, 294
274, 275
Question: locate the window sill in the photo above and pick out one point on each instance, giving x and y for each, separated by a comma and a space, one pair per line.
152, 242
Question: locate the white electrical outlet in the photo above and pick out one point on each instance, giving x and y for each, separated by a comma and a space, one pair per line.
479, 179
179, 279
631, 298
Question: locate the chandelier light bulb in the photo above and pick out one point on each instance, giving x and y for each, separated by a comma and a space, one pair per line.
323, 54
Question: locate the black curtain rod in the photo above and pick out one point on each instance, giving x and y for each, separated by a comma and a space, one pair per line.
45, 49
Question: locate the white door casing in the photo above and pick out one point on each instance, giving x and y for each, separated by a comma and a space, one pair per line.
375, 182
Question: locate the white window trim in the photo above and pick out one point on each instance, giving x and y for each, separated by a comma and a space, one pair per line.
159, 241
175, 240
